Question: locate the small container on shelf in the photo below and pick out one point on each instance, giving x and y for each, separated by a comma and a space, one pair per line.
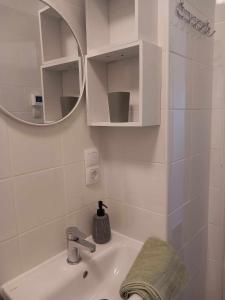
119, 106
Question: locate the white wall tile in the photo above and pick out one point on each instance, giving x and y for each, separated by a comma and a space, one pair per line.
200, 131
216, 205
216, 168
214, 286
5, 168
218, 128
8, 225
39, 198
180, 82
42, 243
74, 186
76, 136
215, 243
218, 87
115, 211
83, 219
201, 86
206, 7
220, 12
179, 191
219, 45
179, 134
34, 149
145, 186
9, 260
195, 254
114, 177
141, 224
199, 176
180, 37
149, 145
177, 228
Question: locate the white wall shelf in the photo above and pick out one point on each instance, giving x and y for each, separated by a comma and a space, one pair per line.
114, 22
61, 64
57, 39
134, 68
61, 69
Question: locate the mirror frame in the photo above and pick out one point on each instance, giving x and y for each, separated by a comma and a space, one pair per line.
7, 113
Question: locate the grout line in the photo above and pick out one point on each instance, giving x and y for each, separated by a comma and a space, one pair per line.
191, 59
40, 171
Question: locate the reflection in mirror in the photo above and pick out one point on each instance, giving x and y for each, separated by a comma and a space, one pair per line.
40, 62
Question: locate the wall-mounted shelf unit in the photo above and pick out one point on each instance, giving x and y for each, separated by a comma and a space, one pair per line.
61, 69
134, 68
57, 39
114, 22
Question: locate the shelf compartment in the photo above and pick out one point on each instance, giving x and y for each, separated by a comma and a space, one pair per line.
62, 64
60, 81
134, 68
114, 22
57, 39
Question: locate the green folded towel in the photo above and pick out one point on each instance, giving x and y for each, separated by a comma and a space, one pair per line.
156, 274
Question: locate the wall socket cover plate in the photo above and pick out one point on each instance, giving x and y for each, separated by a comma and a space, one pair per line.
91, 157
92, 175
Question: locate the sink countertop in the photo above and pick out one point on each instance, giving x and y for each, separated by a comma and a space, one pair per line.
55, 279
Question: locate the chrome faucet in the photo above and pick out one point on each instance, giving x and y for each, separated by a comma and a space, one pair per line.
76, 240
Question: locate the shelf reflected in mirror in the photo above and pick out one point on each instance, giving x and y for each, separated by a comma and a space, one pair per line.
41, 63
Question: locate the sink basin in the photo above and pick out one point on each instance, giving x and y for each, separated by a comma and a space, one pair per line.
97, 276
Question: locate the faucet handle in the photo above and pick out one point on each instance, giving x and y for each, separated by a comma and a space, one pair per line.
75, 233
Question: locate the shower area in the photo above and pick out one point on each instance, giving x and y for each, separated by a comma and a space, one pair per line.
196, 152
216, 226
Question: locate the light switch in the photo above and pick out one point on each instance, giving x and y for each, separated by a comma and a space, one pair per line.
91, 157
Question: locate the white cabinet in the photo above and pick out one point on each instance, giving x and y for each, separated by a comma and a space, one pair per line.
123, 56
134, 68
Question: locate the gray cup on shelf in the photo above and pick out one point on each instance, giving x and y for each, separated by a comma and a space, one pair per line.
67, 104
119, 106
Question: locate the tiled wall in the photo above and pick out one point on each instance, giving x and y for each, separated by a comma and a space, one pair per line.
217, 171
189, 142
135, 165
156, 178
42, 187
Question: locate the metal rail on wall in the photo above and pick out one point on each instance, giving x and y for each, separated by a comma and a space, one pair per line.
184, 14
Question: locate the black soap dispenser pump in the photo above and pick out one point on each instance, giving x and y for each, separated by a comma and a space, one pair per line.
101, 226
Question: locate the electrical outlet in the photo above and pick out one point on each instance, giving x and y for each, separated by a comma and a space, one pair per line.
92, 175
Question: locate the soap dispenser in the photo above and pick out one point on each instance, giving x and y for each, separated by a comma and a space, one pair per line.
101, 226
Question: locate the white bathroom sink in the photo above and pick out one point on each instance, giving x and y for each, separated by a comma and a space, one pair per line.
56, 280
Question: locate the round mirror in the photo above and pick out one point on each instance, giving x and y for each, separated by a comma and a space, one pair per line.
41, 63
